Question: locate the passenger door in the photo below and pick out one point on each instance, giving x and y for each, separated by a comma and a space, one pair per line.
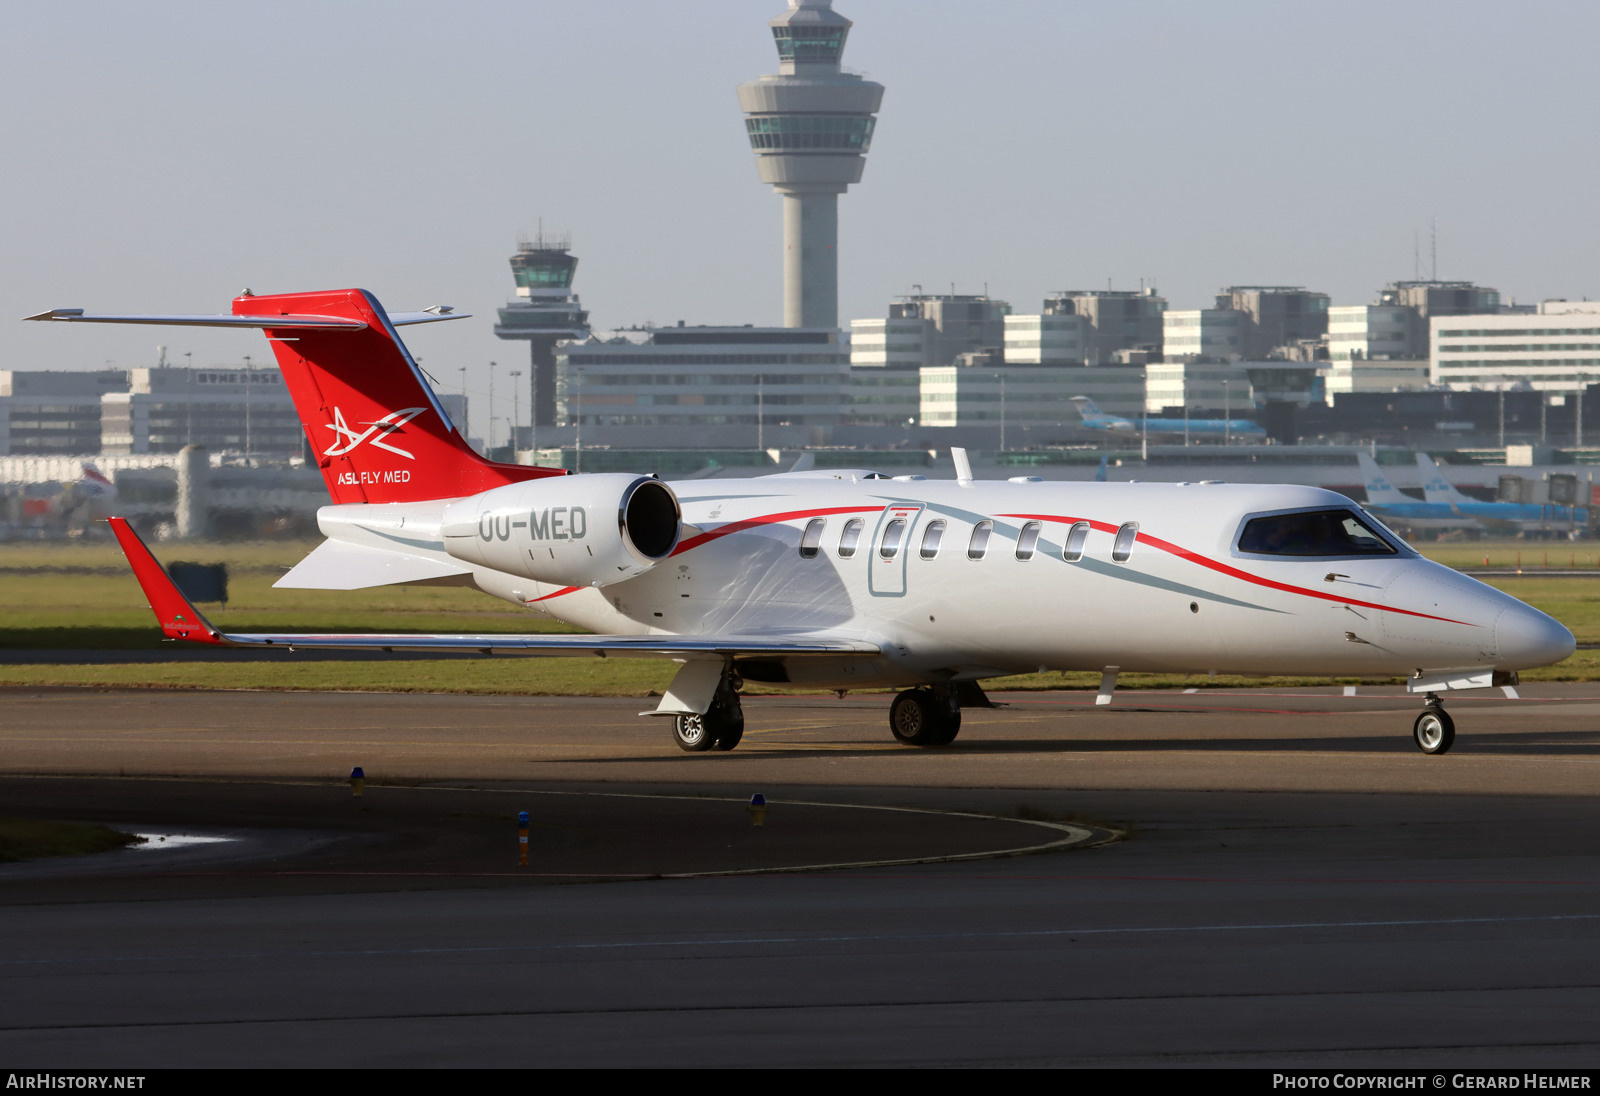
890, 547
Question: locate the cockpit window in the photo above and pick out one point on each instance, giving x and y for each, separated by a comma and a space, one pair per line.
1314, 533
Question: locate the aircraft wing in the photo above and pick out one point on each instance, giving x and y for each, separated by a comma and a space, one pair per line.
179, 619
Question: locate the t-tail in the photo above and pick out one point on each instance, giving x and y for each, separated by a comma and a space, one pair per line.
1434, 486
1379, 488
1088, 410
1096, 419
377, 431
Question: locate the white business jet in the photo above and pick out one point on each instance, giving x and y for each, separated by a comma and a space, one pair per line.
845, 579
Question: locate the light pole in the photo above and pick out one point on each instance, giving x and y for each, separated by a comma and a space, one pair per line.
249, 383
188, 405
489, 443
575, 397
1227, 411
1002, 377
466, 418
516, 413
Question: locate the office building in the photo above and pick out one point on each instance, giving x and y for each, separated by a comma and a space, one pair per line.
1236, 386
1119, 319
1049, 338
1342, 376
44, 412
695, 378
239, 411
1435, 298
1025, 395
926, 329
896, 342
1204, 334
883, 397
1279, 316
1555, 350
1376, 332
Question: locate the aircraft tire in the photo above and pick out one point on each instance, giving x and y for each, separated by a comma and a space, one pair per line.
693, 733
951, 728
916, 718
1434, 731
731, 730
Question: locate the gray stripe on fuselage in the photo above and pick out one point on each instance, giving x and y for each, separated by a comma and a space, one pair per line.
429, 545
725, 498
1118, 571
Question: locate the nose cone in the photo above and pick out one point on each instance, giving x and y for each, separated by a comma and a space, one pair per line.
1528, 638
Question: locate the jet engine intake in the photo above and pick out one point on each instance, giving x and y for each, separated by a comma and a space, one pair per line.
568, 531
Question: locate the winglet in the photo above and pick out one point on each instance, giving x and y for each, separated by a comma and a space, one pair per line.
178, 618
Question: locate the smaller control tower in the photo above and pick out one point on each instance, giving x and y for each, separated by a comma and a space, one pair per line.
545, 312
810, 127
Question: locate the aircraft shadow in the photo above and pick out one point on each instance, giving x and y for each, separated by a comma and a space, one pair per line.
1547, 743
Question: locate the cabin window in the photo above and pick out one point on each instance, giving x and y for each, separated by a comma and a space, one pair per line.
1076, 537
979, 544
1314, 533
811, 539
1028, 539
893, 534
1122, 548
850, 538
931, 538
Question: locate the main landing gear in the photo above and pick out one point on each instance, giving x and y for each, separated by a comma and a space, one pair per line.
925, 717
1434, 731
720, 728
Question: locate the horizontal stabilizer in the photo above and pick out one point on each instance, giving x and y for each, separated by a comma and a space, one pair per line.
314, 323
336, 566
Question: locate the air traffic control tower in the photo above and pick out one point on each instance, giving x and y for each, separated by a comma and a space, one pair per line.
810, 126
545, 312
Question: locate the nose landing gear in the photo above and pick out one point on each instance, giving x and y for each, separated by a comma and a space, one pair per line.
1434, 731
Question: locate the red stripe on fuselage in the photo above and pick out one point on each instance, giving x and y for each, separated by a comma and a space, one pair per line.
558, 593
770, 519
1232, 572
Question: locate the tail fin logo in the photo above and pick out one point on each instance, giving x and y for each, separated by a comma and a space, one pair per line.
375, 432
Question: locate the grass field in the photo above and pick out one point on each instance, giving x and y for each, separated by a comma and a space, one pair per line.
31, 839
77, 596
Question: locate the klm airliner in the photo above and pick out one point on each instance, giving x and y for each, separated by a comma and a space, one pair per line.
1511, 517
1210, 429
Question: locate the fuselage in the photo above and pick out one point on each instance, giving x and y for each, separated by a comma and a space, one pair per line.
1207, 428
961, 581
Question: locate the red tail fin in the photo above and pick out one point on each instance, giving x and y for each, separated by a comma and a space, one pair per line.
377, 431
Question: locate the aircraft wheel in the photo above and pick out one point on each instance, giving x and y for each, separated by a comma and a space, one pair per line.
693, 733
917, 718
731, 729
1434, 731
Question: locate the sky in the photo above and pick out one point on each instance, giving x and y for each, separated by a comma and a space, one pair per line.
163, 156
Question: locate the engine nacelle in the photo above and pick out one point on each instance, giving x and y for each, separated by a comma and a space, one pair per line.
569, 530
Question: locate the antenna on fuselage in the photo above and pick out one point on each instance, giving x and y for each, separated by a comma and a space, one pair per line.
963, 465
